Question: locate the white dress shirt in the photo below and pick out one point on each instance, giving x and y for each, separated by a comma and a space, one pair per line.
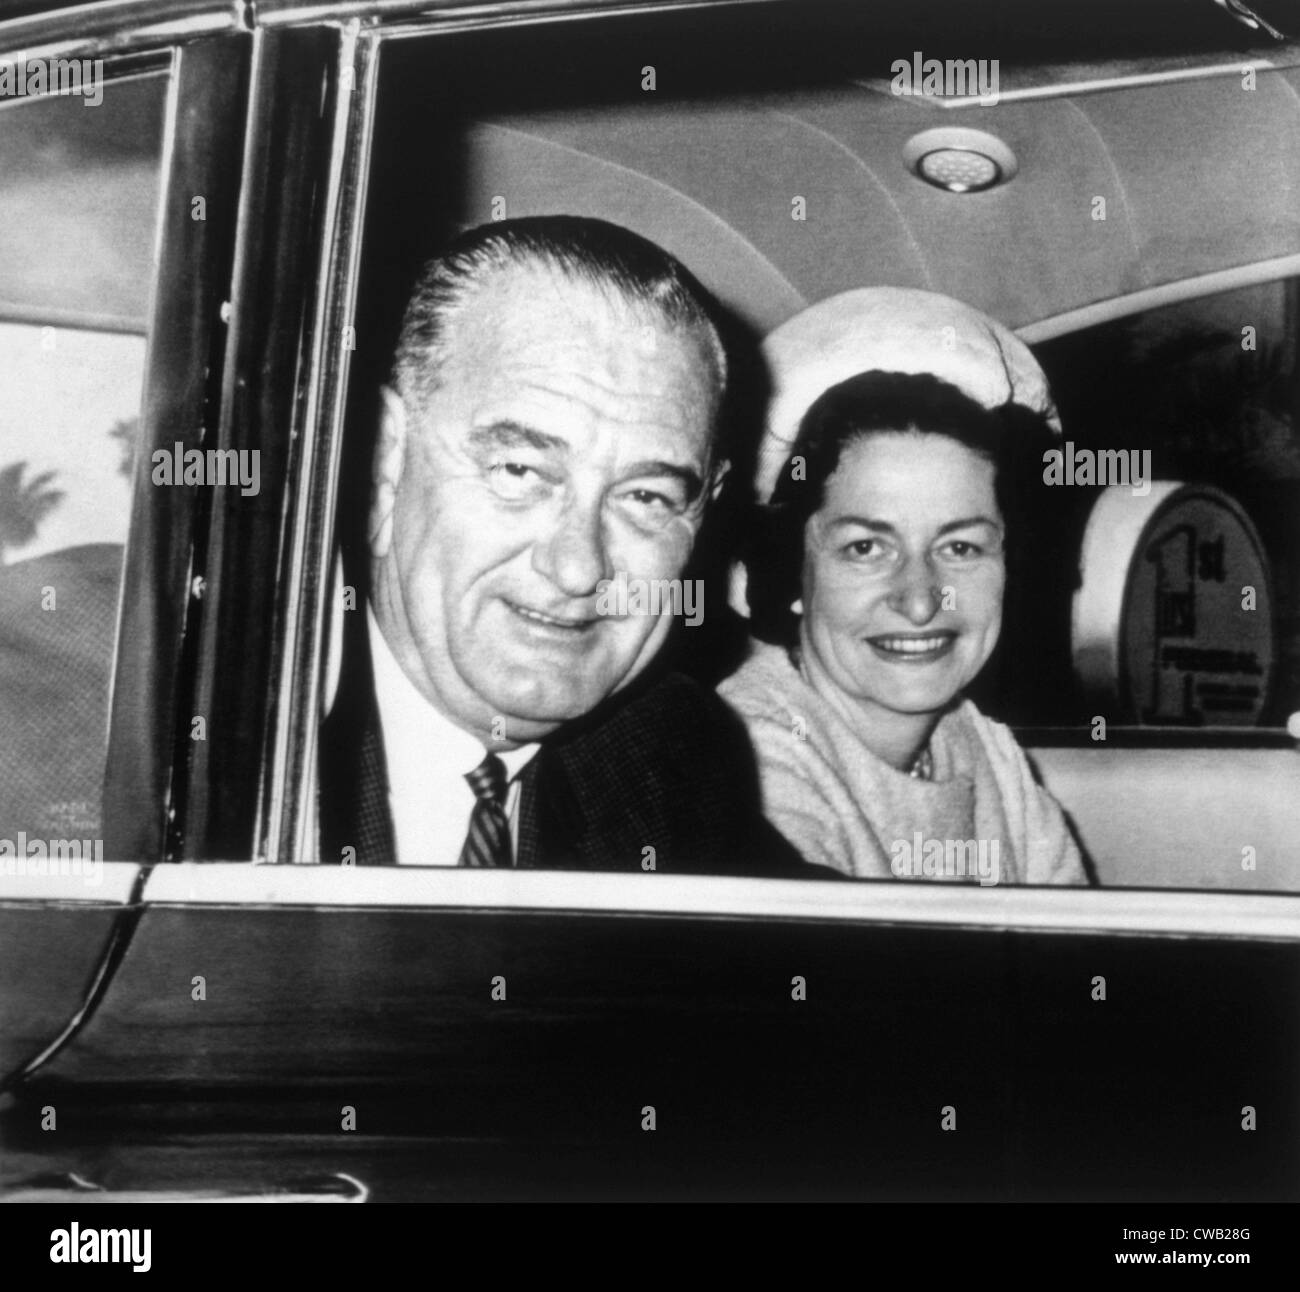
428, 756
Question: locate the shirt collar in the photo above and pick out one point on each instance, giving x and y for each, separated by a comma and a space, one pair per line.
413, 724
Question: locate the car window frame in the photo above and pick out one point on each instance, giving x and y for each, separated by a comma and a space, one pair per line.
161, 582
289, 824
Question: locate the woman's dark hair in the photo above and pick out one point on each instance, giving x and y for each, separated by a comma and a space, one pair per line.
1011, 437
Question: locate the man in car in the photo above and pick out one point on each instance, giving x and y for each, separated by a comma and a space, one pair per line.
550, 432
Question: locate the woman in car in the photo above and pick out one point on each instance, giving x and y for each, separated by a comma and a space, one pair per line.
903, 434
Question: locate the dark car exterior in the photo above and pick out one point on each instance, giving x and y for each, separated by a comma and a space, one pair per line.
210, 1013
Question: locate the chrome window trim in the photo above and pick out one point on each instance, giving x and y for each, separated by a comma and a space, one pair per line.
286, 828
1149, 298
113, 884
1128, 81
1124, 912
111, 28
423, 17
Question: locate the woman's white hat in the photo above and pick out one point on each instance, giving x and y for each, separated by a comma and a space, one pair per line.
886, 329
889, 329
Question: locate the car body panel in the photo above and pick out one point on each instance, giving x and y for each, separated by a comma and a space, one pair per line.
56, 932
772, 1051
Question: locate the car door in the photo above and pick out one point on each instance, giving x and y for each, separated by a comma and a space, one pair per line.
424, 1034
121, 218
187, 641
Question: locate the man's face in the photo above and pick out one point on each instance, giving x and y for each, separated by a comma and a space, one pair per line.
904, 574
568, 442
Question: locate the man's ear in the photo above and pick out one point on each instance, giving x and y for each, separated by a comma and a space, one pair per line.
386, 471
719, 475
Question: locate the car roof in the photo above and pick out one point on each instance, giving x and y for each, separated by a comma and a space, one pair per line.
695, 182
1198, 178
1079, 25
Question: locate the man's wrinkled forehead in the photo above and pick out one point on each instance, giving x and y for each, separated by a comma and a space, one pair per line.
540, 328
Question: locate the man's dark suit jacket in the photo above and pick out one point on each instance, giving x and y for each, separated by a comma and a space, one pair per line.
665, 765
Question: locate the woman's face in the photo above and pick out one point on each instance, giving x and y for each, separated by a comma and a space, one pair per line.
903, 573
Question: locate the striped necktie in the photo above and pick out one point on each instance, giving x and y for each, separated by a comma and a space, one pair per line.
488, 840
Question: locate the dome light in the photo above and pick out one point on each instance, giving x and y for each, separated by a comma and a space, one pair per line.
958, 160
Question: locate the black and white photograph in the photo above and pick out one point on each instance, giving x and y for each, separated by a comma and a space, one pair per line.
647, 602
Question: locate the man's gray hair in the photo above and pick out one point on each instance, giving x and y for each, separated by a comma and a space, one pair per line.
583, 250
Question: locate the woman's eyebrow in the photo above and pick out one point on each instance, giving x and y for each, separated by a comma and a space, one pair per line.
514, 435
863, 522
969, 521
884, 527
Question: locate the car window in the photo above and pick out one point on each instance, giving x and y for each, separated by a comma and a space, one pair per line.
79, 206
782, 188
1202, 393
